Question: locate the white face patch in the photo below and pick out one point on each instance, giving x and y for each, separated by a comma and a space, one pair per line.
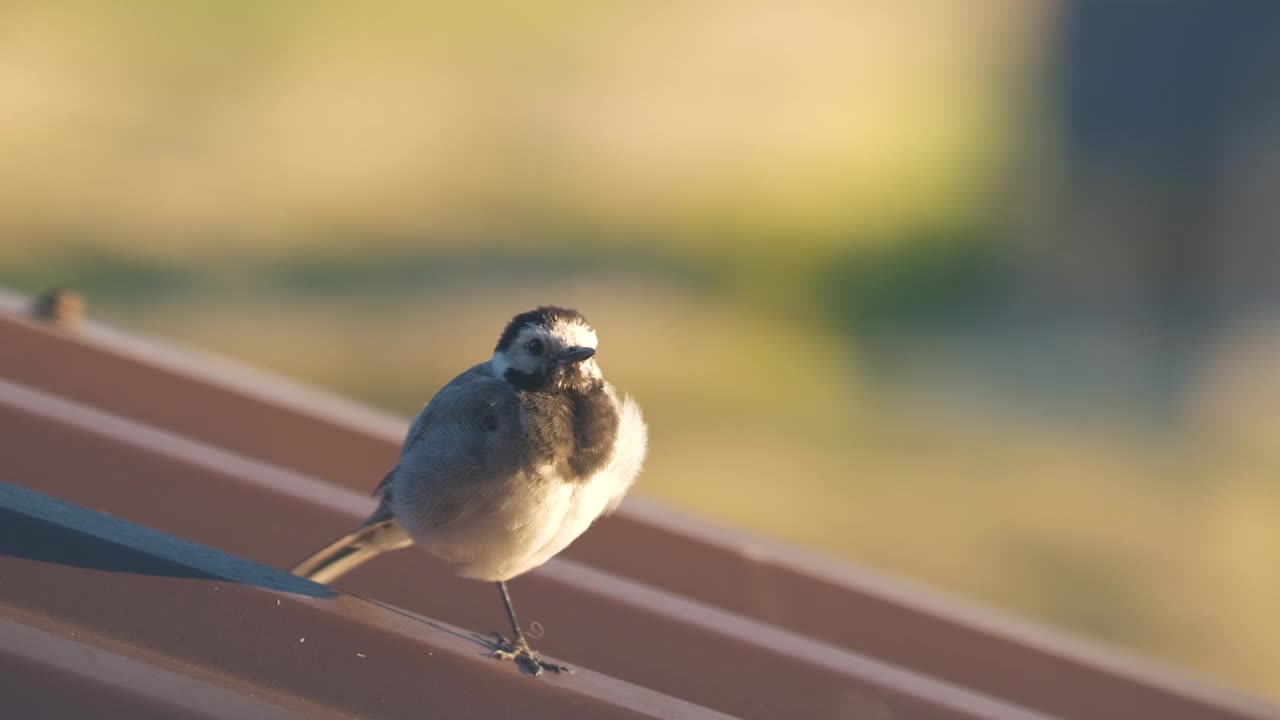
574, 334
556, 339
517, 355
499, 364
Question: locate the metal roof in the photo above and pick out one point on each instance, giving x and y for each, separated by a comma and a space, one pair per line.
153, 494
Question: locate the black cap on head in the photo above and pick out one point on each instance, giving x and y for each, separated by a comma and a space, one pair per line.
544, 316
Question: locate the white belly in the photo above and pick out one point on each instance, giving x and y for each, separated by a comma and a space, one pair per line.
535, 518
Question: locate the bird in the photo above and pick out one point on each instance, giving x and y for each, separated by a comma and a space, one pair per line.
505, 466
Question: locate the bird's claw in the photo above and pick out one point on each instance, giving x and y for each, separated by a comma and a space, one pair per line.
524, 656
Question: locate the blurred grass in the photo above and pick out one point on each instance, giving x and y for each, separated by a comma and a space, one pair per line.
746, 199
240, 124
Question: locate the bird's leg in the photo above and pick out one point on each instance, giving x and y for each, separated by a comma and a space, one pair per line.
517, 648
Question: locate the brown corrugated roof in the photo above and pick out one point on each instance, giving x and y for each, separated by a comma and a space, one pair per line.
271, 639
707, 619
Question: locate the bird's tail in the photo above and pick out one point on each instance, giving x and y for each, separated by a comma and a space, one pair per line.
352, 551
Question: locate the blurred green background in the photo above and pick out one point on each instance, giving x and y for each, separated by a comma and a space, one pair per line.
976, 293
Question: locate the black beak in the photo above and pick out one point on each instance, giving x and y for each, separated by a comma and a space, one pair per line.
576, 355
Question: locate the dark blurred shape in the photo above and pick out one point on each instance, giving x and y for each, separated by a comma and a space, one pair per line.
1157, 226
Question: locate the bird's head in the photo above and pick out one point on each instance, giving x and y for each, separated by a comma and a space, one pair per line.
550, 347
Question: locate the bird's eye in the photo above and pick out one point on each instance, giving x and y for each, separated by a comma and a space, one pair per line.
535, 346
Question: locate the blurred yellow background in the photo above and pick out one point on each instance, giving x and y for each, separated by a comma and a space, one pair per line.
975, 293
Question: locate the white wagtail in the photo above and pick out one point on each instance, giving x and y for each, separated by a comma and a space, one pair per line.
506, 465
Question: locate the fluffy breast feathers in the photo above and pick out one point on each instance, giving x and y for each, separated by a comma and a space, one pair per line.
472, 487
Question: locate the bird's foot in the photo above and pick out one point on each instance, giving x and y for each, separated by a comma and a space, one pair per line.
524, 656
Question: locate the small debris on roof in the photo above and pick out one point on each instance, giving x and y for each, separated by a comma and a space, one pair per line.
60, 307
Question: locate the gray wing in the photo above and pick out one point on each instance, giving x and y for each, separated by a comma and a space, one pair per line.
463, 445
418, 427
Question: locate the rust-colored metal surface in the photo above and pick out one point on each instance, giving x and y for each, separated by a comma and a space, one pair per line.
252, 641
856, 614
648, 636
213, 400
913, 628
48, 671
